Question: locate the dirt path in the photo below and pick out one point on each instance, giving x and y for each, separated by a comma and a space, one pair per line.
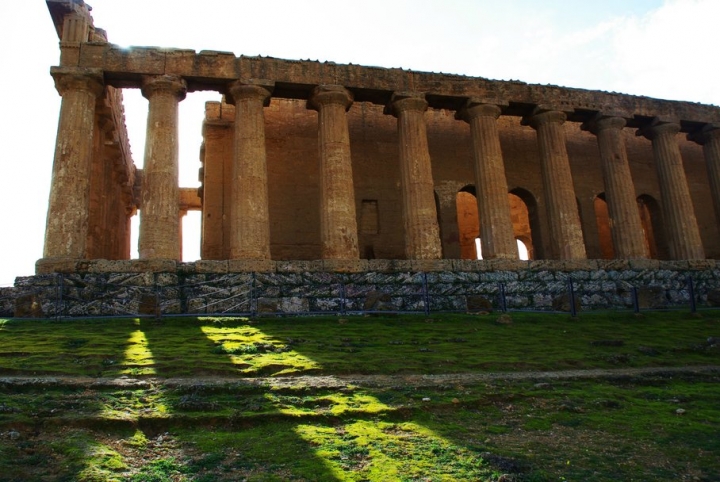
339, 381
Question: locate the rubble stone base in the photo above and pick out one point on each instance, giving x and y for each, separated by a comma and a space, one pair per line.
113, 288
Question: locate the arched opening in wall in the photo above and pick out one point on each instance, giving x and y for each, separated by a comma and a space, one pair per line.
523, 251
602, 218
651, 221
526, 223
468, 223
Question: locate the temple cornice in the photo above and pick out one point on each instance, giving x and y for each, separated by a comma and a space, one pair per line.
295, 79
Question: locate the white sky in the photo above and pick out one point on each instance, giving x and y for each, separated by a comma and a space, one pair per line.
658, 48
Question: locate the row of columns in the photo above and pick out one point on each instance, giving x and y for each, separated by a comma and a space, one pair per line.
250, 238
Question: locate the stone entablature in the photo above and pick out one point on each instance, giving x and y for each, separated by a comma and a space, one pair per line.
295, 79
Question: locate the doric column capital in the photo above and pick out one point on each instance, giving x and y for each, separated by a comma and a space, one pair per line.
250, 89
172, 84
657, 127
406, 101
330, 94
707, 133
603, 121
477, 107
67, 79
544, 115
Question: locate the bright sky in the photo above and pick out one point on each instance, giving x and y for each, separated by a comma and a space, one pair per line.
657, 48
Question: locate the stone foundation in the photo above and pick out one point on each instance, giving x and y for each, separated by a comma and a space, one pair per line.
129, 288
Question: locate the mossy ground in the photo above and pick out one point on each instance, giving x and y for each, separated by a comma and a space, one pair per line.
654, 427
177, 347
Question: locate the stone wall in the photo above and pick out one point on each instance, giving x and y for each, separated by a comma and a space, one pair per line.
294, 173
208, 287
7, 301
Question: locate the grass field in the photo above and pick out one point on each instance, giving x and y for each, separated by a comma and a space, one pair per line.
223, 425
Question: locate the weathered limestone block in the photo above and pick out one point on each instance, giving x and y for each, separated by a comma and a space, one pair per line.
251, 265
702, 264
207, 266
139, 60
479, 303
562, 303
428, 265
380, 265
345, 265
401, 265
644, 264
298, 266
613, 264
507, 264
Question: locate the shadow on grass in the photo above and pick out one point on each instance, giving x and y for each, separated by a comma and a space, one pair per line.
197, 432
239, 447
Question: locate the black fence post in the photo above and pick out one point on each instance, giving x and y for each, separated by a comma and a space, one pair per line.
503, 300
635, 301
342, 298
571, 292
253, 301
158, 308
426, 295
691, 292
59, 298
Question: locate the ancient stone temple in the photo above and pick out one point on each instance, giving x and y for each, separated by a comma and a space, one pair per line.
312, 167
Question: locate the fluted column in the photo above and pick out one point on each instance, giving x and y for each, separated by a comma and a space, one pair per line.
709, 138
625, 226
249, 212
68, 207
678, 214
496, 227
560, 202
422, 234
159, 216
338, 222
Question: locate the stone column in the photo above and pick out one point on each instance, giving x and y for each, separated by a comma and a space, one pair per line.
160, 191
625, 226
496, 227
422, 234
250, 218
709, 138
67, 219
338, 221
678, 214
560, 202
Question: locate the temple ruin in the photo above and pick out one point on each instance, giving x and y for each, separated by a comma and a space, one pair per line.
311, 167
